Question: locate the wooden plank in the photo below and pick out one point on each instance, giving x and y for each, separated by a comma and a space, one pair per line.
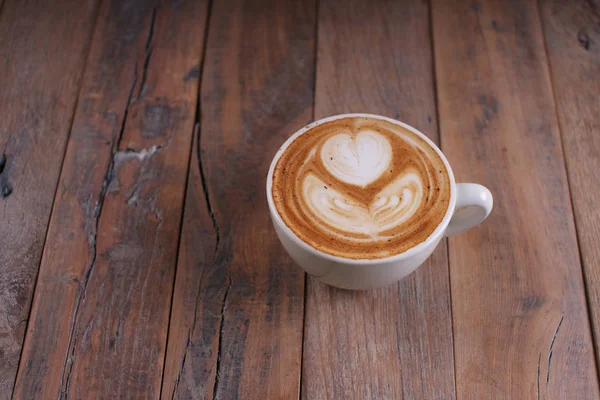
236, 326
572, 31
99, 319
43, 49
394, 342
521, 328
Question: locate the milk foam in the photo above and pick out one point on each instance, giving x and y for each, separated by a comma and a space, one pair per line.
336, 210
360, 160
361, 188
357, 160
397, 202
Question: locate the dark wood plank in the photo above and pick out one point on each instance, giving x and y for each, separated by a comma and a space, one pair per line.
521, 327
394, 342
43, 49
236, 326
572, 31
99, 319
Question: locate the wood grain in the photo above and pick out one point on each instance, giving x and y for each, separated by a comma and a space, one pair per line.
521, 327
236, 326
99, 319
394, 342
572, 31
43, 48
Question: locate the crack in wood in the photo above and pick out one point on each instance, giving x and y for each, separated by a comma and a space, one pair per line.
190, 333
151, 28
552, 348
538, 376
220, 341
197, 118
207, 198
5, 187
92, 238
192, 329
398, 344
178, 378
142, 90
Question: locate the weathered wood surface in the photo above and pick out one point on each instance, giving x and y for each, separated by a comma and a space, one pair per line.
572, 31
161, 275
99, 320
521, 328
43, 49
394, 342
236, 326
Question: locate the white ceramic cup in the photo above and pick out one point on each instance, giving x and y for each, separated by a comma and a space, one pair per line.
475, 201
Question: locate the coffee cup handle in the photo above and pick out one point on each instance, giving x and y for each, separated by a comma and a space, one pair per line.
473, 204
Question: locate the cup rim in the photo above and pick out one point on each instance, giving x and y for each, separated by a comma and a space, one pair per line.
433, 237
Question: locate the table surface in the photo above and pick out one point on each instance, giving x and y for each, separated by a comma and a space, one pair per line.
137, 258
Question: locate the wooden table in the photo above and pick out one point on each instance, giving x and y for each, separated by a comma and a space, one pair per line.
137, 259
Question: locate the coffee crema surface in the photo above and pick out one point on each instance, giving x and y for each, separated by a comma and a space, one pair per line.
361, 188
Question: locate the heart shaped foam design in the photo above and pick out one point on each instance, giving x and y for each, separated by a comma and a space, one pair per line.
396, 203
357, 160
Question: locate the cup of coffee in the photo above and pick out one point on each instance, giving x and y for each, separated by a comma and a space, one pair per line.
359, 201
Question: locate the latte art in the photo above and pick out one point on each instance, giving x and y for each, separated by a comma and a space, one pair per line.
330, 207
356, 160
361, 188
393, 205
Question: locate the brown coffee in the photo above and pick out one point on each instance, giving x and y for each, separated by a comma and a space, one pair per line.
361, 188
